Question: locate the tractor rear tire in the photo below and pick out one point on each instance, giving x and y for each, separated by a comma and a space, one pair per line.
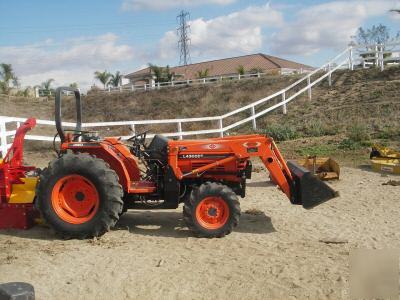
79, 196
212, 210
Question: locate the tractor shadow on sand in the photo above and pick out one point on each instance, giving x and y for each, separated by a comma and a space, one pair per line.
162, 223
170, 223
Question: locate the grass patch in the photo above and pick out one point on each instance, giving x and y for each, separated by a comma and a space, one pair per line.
318, 150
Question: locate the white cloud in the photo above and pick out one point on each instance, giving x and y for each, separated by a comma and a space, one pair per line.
395, 15
74, 60
236, 33
328, 25
168, 4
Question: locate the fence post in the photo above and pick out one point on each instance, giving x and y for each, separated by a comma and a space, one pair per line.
330, 75
109, 89
239, 76
3, 137
133, 129
284, 107
376, 55
382, 57
221, 127
133, 87
158, 85
253, 113
120, 88
172, 83
258, 75
204, 81
309, 87
145, 87
180, 130
351, 66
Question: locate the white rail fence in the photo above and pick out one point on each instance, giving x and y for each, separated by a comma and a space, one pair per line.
198, 82
351, 58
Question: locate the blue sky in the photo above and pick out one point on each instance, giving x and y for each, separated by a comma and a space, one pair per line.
69, 40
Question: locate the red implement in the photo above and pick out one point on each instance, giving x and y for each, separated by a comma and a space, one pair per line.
12, 173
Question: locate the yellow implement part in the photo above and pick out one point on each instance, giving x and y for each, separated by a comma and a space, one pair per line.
24, 193
386, 165
385, 159
387, 152
325, 168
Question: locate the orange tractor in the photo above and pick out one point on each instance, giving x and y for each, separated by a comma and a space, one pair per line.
94, 180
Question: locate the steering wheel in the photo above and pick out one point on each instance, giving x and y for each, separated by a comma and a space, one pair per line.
139, 138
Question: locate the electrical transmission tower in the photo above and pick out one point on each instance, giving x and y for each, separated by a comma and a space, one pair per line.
184, 39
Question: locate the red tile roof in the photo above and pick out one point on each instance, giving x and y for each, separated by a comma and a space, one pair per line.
228, 66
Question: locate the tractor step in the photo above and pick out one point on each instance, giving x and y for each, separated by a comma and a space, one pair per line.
308, 189
142, 187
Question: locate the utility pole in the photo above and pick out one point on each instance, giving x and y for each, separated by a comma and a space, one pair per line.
184, 39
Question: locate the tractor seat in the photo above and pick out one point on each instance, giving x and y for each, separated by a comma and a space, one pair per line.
158, 148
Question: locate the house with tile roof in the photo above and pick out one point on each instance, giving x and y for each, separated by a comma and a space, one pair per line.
254, 63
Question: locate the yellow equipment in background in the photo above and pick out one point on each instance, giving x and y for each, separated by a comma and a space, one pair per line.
384, 159
325, 168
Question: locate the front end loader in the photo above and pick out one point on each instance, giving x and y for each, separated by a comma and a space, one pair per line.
95, 180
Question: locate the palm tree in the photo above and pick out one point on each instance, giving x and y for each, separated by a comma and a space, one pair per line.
46, 86
115, 80
162, 74
202, 74
7, 74
157, 71
241, 70
103, 77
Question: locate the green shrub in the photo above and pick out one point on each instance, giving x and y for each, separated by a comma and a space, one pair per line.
318, 128
358, 133
388, 132
348, 144
281, 132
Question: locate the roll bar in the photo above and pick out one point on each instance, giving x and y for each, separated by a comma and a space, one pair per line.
58, 113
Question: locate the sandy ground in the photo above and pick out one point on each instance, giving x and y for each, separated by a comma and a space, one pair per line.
278, 254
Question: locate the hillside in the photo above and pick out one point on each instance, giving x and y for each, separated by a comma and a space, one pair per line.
361, 106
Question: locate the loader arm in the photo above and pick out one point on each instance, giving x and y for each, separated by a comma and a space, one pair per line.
298, 184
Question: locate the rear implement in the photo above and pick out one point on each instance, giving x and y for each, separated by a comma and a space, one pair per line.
17, 189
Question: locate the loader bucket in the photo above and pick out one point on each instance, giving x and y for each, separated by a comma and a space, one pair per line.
308, 190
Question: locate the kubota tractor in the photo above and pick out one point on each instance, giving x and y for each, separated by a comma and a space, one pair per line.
94, 180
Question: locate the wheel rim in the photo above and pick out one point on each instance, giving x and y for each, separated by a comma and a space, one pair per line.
212, 212
75, 199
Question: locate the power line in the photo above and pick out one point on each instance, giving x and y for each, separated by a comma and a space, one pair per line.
184, 39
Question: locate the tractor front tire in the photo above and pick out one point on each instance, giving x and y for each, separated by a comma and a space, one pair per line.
79, 196
212, 210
